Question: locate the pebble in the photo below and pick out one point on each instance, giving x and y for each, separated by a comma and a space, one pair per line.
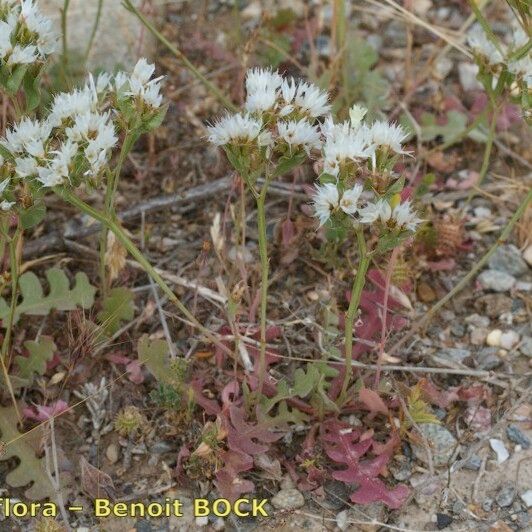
443, 67
494, 338
478, 336
508, 259
454, 354
500, 449
443, 521
515, 435
487, 358
288, 499
112, 453
496, 280
161, 447
509, 339
487, 504
443, 444
526, 346
336, 493
473, 463
527, 255
506, 496
478, 321
526, 497
458, 329
202, 521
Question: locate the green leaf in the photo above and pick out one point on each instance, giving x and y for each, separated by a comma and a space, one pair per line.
395, 188
32, 91
289, 162
455, 126
25, 447
15, 80
6, 154
40, 353
117, 307
424, 185
155, 355
60, 297
34, 215
387, 242
156, 120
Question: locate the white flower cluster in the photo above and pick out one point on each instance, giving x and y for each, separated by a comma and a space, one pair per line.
26, 36
328, 201
76, 139
278, 112
500, 56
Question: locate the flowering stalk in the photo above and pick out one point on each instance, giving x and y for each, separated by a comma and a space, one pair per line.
356, 293
113, 226
264, 267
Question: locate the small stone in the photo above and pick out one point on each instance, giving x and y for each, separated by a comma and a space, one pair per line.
202, 521
473, 463
508, 340
500, 449
523, 520
500, 526
454, 355
112, 453
443, 521
443, 445
219, 524
336, 493
478, 336
143, 525
161, 447
495, 280
487, 358
458, 329
487, 505
493, 305
527, 255
508, 259
288, 499
494, 338
506, 496
478, 321
526, 346
515, 435
523, 286
425, 292
402, 472
442, 67
526, 497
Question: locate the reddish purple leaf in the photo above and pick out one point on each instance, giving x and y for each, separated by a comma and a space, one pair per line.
374, 490
42, 413
372, 401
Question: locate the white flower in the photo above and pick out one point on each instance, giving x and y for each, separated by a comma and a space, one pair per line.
40, 25
312, 100
141, 85
344, 144
388, 135
103, 81
522, 69
98, 149
120, 80
483, 46
375, 211
87, 126
325, 201
405, 217
28, 135
356, 115
6, 205
261, 89
235, 129
50, 177
70, 104
300, 133
23, 55
3, 185
5, 39
26, 166
350, 197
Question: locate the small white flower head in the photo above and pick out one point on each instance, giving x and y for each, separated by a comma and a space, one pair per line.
356, 115
483, 46
261, 89
380, 210
68, 105
404, 217
312, 100
344, 145
23, 55
325, 202
39, 25
387, 135
28, 135
303, 97
522, 69
6, 205
140, 84
3, 185
350, 198
235, 129
26, 166
300, 134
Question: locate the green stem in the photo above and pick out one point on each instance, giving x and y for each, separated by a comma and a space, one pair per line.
113, 226
110, 194
180, 56
487, 153
356, 293
94, 30
264, 268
